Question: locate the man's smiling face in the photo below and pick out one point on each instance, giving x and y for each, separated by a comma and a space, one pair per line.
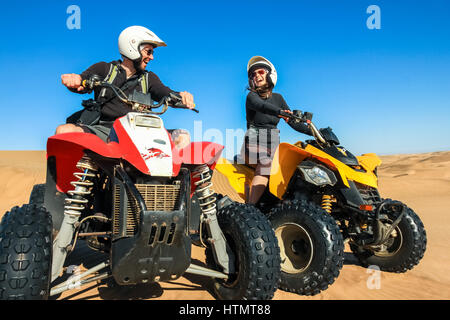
147, 55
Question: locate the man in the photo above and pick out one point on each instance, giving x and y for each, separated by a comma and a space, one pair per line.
136, 45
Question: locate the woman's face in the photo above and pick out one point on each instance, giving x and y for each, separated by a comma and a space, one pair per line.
260, 77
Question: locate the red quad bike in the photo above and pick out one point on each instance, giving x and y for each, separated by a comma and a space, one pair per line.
141, 201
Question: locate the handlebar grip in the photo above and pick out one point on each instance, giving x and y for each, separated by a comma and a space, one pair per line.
179, 104
183, 106
296, 115
175, 100
91, 82
88, 84
285, 114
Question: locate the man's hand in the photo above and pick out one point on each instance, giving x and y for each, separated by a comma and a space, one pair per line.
72, 81
187, 99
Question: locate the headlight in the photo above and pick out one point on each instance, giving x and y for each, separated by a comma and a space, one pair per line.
317, 174
147, 121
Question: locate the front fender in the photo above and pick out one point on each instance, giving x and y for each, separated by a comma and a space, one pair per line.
68, 148
197, 153
284, 164
237, 175
370, 161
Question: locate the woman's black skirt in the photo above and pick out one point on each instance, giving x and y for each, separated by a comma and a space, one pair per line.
258, 148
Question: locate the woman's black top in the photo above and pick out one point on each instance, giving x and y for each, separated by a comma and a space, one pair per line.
263, 113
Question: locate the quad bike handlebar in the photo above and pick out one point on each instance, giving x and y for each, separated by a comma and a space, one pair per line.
138, 101
305, 117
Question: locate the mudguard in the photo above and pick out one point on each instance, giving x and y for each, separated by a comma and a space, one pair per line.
198, 153
238, 175
68, 148
347, 173
284, 164
291, 155
369, 161
285, 161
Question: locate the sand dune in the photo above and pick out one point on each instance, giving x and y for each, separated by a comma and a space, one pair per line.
420, 180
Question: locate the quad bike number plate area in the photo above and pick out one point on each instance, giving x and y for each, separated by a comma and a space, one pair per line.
152, 142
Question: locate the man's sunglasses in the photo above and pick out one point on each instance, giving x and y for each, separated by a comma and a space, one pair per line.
148, 52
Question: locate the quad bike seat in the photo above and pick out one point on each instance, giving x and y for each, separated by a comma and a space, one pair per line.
238, 160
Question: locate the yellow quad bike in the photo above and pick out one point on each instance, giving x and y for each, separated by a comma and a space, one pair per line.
320, 196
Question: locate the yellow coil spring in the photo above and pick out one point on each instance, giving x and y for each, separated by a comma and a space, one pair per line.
326, 203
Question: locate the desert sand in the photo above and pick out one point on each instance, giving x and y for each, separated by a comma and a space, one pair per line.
422, 181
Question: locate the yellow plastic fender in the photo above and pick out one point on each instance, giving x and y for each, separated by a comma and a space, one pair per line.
285, 161
288, 156
369, 161
238, 175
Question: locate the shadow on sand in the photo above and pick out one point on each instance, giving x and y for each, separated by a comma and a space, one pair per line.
109, 290
351, 259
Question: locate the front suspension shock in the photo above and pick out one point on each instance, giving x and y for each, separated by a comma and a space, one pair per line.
201, 177
202, 180
75, 203
327, 203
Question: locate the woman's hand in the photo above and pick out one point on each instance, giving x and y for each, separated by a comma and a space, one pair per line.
283, 117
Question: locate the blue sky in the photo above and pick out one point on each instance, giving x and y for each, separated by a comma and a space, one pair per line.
382, 90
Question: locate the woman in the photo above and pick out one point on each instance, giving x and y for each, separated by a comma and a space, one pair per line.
263, 109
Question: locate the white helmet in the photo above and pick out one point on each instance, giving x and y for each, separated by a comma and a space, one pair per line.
132, 37
261, 62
